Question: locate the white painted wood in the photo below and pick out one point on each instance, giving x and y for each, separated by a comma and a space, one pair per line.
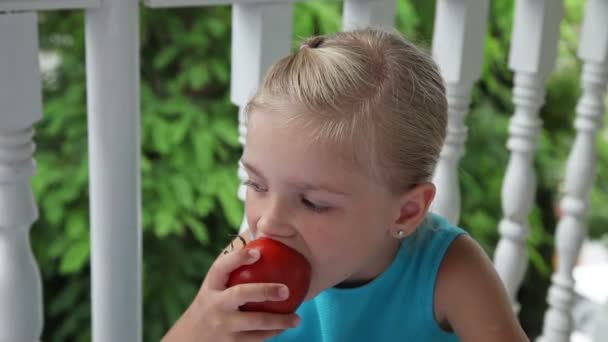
39, 5
19, 72
261, 34
458, 42
580, 170
600, 328
21, 316
193, 3
594, 33
112, 56
532, 57
362, 13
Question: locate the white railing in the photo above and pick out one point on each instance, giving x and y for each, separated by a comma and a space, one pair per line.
580, 170
458, 43
21, 107
113, 129
532, 57
112, 55
261, 33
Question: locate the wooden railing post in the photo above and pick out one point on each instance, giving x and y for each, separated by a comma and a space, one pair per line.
361, 13
580, 170
532, 57
112, 56
458, 42
20, 107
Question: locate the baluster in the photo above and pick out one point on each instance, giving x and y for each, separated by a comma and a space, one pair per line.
20, 107
532, 57
458, 50
261, 34
580, 170
112, 57
361, 13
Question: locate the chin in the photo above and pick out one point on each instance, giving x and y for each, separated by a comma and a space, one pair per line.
313, 291
316, 287
310, 295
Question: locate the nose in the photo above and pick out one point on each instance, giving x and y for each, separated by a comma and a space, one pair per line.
275, 220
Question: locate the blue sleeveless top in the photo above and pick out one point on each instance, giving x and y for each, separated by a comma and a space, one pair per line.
396, 306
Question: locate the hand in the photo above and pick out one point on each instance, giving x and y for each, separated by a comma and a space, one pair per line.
214, 314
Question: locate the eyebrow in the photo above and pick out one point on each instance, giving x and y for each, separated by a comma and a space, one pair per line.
302, 186
251, 168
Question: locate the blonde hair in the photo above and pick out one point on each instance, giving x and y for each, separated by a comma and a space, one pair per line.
370, 91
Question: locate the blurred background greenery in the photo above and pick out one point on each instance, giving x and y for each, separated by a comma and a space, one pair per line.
190, 152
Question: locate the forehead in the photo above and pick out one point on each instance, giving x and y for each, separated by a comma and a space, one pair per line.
276, 145
335, 134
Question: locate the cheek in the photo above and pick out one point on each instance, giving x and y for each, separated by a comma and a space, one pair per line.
252, 212
328, 244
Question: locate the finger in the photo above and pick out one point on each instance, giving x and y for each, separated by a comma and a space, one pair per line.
222, 267
253, 292
262, 321
257, 336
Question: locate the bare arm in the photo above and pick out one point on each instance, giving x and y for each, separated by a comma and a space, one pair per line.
470, 297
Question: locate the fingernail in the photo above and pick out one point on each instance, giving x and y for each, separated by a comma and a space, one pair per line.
253, 254
283, 292
296, 321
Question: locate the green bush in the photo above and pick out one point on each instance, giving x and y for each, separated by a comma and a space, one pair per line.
190, 152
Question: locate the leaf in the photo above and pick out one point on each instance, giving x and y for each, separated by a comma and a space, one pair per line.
328, 14
165, 56
73, 322
180, 129
216, 26
204, 205
539, 262
145, 164
161, 137
183, 191
231, 205
199, 76
57, 247
66, 299
172, 306
204, 143
75, 257
220, 70
76, 225
199, 229
407, 19
303, 24
53, 210
226, 129
164, 221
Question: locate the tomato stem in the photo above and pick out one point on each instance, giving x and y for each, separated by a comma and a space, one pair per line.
233, 236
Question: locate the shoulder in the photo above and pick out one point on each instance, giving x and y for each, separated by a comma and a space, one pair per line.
470, 298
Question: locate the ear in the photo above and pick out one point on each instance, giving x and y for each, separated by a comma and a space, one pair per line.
413, 208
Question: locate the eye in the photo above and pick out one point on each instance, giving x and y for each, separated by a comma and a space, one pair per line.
314, 207
255, 186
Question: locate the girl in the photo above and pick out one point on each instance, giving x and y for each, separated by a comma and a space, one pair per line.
343, 137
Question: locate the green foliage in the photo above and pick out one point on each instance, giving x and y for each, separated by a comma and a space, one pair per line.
190, 149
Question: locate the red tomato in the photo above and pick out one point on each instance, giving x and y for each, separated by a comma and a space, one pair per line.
278, 263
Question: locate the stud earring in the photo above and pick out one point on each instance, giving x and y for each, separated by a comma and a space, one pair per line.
400, 234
